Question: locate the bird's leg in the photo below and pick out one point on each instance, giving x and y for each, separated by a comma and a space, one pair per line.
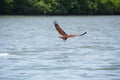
64, 41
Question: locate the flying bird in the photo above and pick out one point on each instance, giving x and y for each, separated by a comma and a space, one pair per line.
65, 36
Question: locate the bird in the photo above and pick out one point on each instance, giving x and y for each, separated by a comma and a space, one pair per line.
64, 36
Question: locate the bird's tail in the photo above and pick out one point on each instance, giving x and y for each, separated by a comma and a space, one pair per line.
83, 34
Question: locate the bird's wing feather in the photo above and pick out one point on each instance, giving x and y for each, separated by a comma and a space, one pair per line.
83, 34
60, 30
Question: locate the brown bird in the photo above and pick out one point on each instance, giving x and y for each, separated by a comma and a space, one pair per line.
65, 36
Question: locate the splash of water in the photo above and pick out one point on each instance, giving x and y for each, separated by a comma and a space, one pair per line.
4, 54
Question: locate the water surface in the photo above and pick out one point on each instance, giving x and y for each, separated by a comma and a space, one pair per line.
31, 50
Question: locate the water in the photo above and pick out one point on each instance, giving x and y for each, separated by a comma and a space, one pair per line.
31, 50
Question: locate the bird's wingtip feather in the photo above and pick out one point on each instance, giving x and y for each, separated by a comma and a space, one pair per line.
55, 22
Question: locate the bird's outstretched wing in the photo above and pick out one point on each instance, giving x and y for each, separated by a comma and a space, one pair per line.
60, 30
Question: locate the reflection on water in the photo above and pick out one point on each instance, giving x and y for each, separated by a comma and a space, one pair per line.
31, 50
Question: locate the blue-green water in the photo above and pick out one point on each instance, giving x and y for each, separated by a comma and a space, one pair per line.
31, 50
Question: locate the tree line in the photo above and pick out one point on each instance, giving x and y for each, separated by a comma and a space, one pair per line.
60, 7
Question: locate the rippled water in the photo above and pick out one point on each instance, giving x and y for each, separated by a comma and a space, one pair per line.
31, 50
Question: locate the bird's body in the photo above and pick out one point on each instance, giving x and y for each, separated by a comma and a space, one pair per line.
65, 36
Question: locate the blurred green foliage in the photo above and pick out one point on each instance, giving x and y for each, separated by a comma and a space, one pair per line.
60, 7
